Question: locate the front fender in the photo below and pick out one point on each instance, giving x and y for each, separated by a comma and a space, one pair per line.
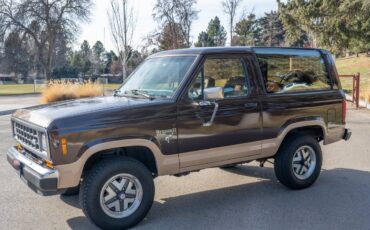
70, 174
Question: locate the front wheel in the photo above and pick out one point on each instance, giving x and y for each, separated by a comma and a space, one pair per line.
298, 162
117, 193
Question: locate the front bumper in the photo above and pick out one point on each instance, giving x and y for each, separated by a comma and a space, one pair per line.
42, 180
347, 134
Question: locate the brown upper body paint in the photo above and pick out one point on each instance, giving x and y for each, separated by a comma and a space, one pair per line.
174, 125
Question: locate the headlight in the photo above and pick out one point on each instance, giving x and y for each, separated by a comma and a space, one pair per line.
14, 131
44, 145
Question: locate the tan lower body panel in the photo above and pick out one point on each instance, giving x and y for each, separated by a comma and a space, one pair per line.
204, 157
335, 133
245, 152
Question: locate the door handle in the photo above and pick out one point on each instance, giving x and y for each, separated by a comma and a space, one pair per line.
251, 105
209, 103
210, 122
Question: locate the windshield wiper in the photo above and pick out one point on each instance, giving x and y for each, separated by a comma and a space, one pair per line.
142, 93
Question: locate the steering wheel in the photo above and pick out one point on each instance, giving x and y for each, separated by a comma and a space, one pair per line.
284, 78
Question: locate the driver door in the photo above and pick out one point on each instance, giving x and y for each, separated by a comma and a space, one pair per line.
219, 116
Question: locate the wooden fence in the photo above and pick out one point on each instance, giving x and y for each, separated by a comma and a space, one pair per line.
355, 88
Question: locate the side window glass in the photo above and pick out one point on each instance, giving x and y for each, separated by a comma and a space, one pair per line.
195, 90
293, 70
227, 73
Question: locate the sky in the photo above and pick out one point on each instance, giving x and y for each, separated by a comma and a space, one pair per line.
98, 27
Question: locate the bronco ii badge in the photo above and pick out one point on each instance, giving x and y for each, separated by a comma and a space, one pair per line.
166, 134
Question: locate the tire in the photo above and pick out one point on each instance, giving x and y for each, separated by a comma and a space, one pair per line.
293, 167
71, 191
103, 184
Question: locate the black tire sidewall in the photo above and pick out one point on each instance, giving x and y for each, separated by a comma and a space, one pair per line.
310, 180
102, 174
284, 166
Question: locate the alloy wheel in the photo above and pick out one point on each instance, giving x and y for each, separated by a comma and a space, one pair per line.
121, 196
304, 162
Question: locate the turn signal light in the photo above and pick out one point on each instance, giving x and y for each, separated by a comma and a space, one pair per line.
49, 164
19, 147
63, 144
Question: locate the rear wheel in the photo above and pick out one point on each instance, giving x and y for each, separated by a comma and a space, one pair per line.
298, 162
117, 193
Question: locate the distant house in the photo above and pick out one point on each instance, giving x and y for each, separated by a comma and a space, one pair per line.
7, 79
112, 78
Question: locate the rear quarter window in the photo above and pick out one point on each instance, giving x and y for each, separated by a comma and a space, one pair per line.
293, 70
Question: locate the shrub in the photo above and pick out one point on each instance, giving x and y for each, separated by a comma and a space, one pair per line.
90, 90
60, 91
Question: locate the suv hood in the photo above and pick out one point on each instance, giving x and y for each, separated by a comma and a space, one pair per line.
44, 115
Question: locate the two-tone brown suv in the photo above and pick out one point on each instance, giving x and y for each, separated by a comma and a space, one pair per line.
183, 111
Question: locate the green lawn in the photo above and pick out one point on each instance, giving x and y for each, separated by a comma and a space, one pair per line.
19, 89
29, 88
112, 86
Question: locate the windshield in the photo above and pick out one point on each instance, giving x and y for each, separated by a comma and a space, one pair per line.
157, 77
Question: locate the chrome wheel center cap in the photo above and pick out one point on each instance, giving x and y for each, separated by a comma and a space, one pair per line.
122, 196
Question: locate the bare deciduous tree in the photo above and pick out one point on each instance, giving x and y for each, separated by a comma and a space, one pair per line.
187, 14
44, 21
122, 23
230, 7
176, 16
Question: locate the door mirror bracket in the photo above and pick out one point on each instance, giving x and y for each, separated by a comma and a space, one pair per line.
206, 104
210, 97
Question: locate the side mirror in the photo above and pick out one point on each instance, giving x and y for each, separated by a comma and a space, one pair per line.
214, 93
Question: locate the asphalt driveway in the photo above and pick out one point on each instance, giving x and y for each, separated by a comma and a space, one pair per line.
8, 104
247, 197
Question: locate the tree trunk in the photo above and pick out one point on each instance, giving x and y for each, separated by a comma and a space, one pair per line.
47, 73
124, 66
231, 32
41, 62
49, 65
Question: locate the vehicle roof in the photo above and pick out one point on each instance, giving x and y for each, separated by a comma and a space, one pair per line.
215, 50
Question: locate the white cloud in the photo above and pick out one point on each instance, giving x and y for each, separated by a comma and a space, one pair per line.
94, 30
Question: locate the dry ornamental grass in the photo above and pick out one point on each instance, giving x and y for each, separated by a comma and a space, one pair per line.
66, 90
367, 96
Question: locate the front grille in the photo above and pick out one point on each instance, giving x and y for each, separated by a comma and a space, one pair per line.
27, 136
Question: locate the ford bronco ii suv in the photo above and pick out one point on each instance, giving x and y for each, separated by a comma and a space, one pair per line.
182, 111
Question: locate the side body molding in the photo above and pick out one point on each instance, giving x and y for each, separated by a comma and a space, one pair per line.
71, 173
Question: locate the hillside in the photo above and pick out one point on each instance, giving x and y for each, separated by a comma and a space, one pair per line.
354, 65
